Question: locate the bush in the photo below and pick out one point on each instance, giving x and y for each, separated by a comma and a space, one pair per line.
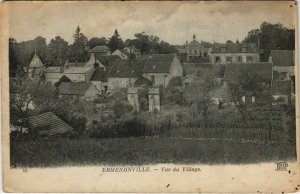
120, 108
176, 96
175, 82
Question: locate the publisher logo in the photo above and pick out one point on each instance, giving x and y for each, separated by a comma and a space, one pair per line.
282, 166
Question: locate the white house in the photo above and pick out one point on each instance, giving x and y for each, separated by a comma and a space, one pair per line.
161, 68
283, 63
124, 73
235, 53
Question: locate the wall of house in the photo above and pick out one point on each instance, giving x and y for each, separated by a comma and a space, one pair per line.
98, 85
176, 69
255, 57
161, 79
118, 83
284, 69
91, 93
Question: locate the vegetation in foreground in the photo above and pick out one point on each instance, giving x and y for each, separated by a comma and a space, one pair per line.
141, 150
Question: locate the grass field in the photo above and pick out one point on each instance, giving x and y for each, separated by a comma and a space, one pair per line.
140, 150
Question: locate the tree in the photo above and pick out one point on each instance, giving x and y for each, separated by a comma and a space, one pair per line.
26, 94
200, 91
26, 50
271, 36
229, 42
97, 42
57, 51
78, 50
252, 85
13, 61
115, 42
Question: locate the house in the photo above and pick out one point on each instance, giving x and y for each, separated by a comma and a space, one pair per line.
75, 74
194, 50
124, 73
48, 124
283, 63
86, 91
233, 74
133, 50
100, 51
123, 54
93, 62
281, 91
99, 79
235, 53
161, 68
36, 67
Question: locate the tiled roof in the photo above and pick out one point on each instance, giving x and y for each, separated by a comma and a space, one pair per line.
107, 60
74, 88
126, 68
263, 69
159, 63
281, 87
99, 49
235, 48
49, 124
282, 57
99, 75
36, 61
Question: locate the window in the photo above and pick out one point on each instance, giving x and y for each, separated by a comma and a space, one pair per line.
239, 58
228, 59
249, 59
152, 78
218, 59
205, 54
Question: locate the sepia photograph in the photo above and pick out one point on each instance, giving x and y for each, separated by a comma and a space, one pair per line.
130, 85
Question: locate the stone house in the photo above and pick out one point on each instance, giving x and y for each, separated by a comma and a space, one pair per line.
123, 54
124, 73
235, 53
82, 90
232, 74
194, 49
133, 50
161, 68
99, 79
283, 63
75, 74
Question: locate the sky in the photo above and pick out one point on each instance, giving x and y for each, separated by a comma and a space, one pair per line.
174, 22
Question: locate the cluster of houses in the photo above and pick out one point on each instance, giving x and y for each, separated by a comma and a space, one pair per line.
127, 68
106, 73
